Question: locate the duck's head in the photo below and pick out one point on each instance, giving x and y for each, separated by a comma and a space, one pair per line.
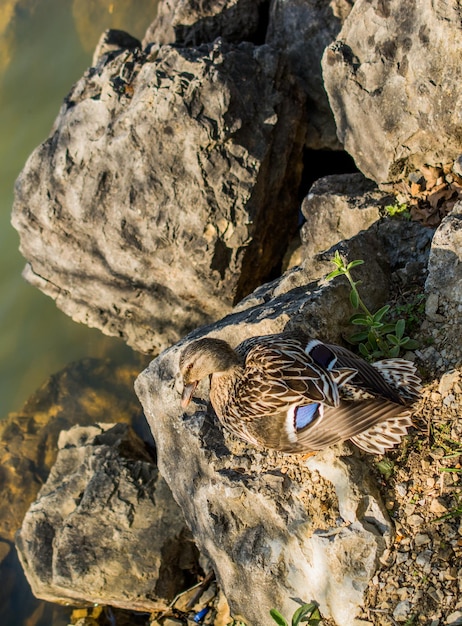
202, 358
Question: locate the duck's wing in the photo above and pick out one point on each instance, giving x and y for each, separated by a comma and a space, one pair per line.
279, 373
373, 425
393, 379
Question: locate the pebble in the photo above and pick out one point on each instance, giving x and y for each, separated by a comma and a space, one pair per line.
401, 557
421, 540
449, 400
415, 520
423, 559
401, 611
437, 507
436, 595
454, 619
447, 382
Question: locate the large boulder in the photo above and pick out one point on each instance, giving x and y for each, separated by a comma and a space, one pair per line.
392, 77
283, 527
85, 392
302, 31
166, 190
444, 293
104, 526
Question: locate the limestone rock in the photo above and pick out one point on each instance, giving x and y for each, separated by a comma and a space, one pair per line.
85, 392
270, 522
186, 22
88, 391
299, 30
104, 525
444, 288
166, 190
392, 79
445, 262
302, 31
337, 208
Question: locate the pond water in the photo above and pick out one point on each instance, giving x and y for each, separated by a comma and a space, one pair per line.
45, 46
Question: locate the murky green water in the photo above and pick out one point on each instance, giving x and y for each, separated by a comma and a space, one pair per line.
45, 45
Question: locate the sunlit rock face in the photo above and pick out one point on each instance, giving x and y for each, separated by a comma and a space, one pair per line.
392, 78
165, 192
168, 188
104, 525
281, 525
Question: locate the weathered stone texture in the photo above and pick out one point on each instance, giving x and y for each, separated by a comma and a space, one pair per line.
337, 208
392, 78
153, 204
259, 515
302, 30
104, 525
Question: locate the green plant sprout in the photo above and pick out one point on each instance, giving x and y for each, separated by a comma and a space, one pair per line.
379, 338
398, 209
307, 613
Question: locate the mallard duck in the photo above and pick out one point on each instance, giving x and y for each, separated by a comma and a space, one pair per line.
295, 394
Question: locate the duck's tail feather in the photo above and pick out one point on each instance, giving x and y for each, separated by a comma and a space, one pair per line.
384, 436
401, 375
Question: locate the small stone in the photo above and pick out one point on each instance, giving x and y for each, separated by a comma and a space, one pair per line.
437, 507
402, 610
424, 558
447, 382
401, 557
403, 593
451, 573
421, 540
449, 399
457, 167
435, 594
431, 307
454, 619
409, 509
415, 520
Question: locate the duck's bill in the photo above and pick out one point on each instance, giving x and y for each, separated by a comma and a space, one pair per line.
188, 394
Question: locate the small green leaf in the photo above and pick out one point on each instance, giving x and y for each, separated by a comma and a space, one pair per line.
364, 351
302, 612
393, 340
372, 340
357, 337
412, 344
354, 263
337, 260
359, 320
356, 316
381, 312
394, 352
399, 328
387, 328
334, 274
354, 299
385, 467
277, 617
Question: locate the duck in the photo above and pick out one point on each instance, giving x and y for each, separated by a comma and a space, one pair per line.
295, 394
